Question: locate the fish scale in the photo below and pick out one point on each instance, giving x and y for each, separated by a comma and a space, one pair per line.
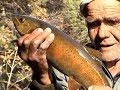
65, 54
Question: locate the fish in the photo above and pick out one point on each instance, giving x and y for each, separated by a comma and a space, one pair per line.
65, 54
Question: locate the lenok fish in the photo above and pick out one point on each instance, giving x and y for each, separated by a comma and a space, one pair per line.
65, 54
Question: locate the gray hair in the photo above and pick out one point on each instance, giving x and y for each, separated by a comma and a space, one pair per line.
83, 4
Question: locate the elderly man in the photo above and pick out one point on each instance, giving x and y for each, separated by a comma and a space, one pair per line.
103, 22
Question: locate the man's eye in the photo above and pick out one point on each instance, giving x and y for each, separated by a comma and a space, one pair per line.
93, 24
112, 23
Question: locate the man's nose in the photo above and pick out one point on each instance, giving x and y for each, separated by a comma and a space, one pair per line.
103, 31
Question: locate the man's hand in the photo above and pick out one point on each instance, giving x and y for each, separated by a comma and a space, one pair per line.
32, 49
99, 88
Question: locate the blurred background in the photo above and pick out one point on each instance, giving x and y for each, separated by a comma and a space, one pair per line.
64, 14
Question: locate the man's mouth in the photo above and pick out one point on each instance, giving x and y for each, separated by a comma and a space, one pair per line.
106, 46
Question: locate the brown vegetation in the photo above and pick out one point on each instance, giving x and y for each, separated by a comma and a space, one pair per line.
64, 14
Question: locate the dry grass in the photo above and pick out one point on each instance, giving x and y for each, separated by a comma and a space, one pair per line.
14, 73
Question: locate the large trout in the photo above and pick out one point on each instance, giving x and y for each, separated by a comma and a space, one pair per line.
65, 54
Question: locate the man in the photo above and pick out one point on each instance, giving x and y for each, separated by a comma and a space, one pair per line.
103, 22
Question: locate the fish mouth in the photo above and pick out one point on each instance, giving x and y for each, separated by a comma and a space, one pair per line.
15, 21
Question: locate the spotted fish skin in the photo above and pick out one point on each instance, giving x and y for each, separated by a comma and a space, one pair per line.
65, 54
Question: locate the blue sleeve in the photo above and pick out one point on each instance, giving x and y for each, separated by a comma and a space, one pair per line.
60, 80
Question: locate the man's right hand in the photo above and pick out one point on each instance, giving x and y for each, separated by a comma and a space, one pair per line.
32, 49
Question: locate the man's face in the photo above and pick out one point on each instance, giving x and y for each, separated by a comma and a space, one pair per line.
103, 20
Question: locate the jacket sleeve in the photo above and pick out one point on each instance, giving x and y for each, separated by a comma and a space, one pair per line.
36, 86
59, 82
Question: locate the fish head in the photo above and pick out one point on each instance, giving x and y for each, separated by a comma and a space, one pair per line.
24, 24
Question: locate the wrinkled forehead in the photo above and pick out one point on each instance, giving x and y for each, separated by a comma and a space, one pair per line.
97, 5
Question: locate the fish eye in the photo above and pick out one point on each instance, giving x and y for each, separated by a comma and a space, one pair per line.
22, 20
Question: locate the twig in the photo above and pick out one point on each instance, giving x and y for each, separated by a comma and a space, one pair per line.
2, 81
12, 67
23, 78
18, 6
